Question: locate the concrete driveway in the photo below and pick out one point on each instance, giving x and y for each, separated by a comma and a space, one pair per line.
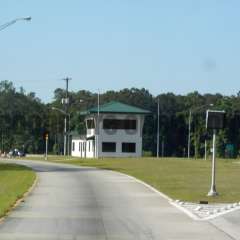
83, 203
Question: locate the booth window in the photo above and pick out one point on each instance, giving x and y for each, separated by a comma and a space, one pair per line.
128, 147
119, 124
108, 147
90, 124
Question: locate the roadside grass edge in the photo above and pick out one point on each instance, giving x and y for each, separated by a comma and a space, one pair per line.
19, 199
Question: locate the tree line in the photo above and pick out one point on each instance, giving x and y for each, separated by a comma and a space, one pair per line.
24, 119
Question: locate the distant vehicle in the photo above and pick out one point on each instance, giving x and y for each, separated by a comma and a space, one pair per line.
21, 154
16, 153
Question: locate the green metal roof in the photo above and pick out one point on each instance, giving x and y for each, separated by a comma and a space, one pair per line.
117, 107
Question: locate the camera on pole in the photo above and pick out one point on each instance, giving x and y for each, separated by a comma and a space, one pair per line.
215, 120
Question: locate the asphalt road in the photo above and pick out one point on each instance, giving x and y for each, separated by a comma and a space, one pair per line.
86, 204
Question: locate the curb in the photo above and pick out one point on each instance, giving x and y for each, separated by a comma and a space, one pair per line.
173, 202
170, 200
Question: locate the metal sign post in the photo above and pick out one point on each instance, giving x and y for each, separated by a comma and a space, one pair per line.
213, 191
214, 120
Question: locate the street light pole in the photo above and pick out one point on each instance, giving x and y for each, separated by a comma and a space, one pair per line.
65, 129
3, 26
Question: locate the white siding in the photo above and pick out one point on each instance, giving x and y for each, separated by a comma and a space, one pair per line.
81, 148
118, 136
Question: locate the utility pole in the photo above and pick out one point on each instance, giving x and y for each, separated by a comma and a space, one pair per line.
65, 101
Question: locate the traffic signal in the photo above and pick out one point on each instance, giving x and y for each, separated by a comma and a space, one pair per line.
45, 135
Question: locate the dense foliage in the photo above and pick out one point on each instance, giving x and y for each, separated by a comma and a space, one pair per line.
24, 119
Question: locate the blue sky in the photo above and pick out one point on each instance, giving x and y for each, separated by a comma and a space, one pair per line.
164, 46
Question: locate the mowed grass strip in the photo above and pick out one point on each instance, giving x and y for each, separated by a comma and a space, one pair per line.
179, 178
15, 180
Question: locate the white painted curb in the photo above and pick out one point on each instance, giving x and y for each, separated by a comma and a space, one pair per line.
175, 204
170, 200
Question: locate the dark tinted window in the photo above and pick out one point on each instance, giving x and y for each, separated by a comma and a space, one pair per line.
109, 147
119, 124
90, 124
129, 147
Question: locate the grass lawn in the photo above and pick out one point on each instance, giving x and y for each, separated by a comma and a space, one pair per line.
178, 178
15, 180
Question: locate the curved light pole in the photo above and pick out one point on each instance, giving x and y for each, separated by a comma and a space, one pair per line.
5, 25
189, 126
66, 133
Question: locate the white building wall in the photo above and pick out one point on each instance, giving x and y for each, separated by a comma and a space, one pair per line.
75, 151
120, 136
107, 135
90, 149
81, 148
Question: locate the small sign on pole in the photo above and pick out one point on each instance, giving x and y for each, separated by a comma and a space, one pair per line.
214, 120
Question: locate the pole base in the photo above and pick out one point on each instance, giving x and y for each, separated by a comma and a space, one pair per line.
212, 193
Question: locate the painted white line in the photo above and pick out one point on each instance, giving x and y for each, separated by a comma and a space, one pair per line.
186, 211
